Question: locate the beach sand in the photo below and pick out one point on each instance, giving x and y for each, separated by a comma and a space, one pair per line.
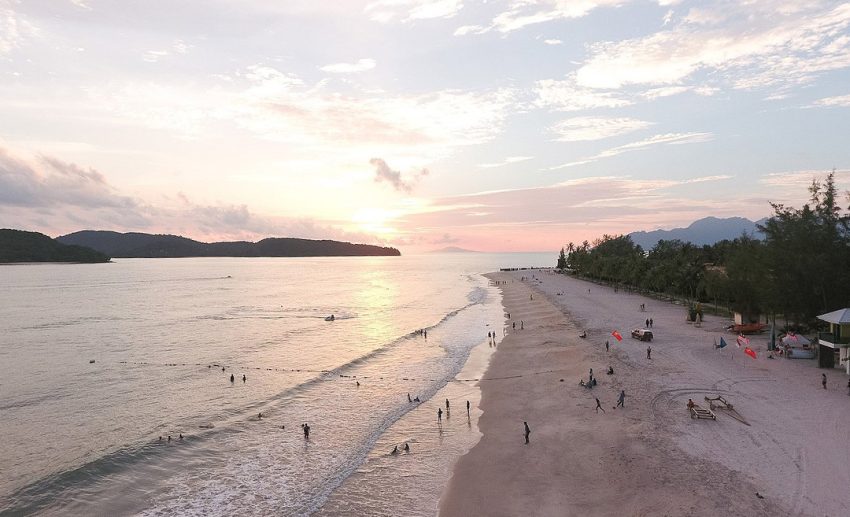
649, 458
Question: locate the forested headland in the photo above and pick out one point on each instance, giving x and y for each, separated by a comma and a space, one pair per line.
800, 269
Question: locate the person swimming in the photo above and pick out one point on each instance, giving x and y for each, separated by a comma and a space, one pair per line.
406, 447
395, 450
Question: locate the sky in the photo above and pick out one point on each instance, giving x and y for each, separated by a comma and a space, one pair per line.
516, 125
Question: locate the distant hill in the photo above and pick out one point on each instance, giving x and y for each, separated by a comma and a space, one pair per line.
145, 245
703, 231
452, 249
21, 246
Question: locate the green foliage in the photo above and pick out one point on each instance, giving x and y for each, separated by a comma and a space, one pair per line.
562, 260
799, 270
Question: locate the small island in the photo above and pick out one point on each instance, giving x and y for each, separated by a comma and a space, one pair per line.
145, 245
22, 246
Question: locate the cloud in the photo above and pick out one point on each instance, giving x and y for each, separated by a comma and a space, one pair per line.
523, 13
383, 172
50, 195
747, 45
842, 101
661, 139
385, 11
50, 182
14, 29
281, 107
567, 95
506, 161
178, 47
553, 42
349, 68
545, 217
595, 128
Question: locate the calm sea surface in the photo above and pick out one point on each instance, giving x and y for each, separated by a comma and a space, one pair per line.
82, 438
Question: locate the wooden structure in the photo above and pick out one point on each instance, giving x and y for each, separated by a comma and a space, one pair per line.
719, 402
698, 412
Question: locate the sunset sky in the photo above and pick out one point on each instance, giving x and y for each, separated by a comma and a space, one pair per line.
491, 125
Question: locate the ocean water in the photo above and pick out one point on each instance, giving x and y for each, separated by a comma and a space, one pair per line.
97, 362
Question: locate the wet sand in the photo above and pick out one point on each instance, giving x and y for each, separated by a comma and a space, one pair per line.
649, 458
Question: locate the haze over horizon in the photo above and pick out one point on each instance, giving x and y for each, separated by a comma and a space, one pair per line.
419, 124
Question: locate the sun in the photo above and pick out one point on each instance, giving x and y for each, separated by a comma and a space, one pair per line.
375, 220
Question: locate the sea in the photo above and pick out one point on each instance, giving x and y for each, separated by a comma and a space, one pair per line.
103, 367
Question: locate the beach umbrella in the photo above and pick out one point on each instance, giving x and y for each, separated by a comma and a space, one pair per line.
750, 352
617, 335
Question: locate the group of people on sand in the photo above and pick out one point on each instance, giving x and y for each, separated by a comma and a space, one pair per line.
423, 333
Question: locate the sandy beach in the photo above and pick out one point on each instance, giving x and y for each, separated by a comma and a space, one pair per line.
650, 457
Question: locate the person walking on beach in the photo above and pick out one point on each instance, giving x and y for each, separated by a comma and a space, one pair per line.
306, 431
646, 323
408, 398
621, 399
527, 431
447, 405
848, 387
244, 378
599, 406
232, 378
823, 380
649, 352
439, 414
650, 323
606, 345
467, 402
513, 325
521, 325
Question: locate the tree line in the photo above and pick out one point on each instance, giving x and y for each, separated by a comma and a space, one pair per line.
799, 269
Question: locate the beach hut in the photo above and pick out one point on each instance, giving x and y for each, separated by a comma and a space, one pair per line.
836, 340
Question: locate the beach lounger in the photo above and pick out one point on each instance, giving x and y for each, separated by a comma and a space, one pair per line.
698, 412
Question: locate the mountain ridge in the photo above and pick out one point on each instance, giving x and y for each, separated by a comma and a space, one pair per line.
707, 230
146, 245
24, 246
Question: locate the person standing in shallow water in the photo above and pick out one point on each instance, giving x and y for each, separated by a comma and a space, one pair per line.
232, 378
527, 431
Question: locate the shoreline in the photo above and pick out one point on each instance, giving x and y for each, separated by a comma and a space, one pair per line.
648, 458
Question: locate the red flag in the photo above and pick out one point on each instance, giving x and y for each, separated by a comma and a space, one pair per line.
617, 335
750, 352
